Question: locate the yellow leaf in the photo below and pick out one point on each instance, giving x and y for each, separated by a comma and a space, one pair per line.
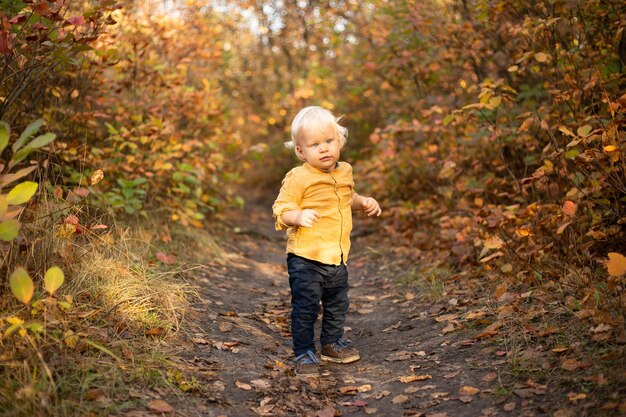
467, 390
66, 230
96, 177
494, 102
494, 242
610, 148
616, 265
15, 320
541, 57
21, 285
53, 279
70, 339
22, 192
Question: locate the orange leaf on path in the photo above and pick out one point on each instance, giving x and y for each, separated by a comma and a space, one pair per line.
413, 378
569, 208
160, 406
616, 265
467, 390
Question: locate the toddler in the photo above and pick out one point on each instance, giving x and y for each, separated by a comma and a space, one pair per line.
315, 205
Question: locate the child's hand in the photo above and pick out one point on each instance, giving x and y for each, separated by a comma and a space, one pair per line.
371, 207
307, 218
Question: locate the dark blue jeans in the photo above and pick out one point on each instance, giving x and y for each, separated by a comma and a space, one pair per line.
312, 282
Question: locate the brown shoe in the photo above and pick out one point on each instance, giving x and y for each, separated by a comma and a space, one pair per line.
339, 352
307, 365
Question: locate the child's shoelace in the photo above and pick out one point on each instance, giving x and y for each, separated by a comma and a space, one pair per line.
307, 357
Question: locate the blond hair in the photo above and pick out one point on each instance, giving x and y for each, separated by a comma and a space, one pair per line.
315, 116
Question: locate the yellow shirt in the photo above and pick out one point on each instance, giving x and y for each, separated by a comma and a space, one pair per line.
330, 193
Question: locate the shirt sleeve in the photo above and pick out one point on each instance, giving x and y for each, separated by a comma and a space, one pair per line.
288, 199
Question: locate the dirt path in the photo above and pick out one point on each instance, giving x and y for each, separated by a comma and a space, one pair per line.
411, 364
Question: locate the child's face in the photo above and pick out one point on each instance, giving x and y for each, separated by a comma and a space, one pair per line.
320, 148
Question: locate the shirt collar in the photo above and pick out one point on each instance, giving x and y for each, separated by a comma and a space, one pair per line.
319, 171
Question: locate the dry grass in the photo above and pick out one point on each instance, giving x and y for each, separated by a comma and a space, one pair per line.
138, 303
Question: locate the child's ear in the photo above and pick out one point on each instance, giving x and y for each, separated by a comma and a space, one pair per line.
299, 153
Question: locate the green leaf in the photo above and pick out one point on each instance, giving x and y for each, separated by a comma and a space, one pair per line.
42, 140
34, 327
448, 119
102, 349
584, 131
22, 192
9, 229
21, 285
4, 135
53, 279
30, 130
19, 156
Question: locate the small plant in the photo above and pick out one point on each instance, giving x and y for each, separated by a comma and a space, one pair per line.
128, 196
430, 281
11, 203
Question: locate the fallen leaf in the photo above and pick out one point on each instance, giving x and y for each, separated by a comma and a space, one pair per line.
264, 410
413, 378
370, 410
573, 364
364, 388
358, 403
243, 385
569, 208
350, 389
225, 327
449, 328
572, 396
160, 406
400, 399
467, 390
491, 376
490, 257
399, 356
412, 389
509, 407
452, 374
559, 349
381, 394
260, 383
328, 411
562, 227
493, 242
466, 399
616, 265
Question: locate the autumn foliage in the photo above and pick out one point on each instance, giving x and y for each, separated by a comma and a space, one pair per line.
493, 131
